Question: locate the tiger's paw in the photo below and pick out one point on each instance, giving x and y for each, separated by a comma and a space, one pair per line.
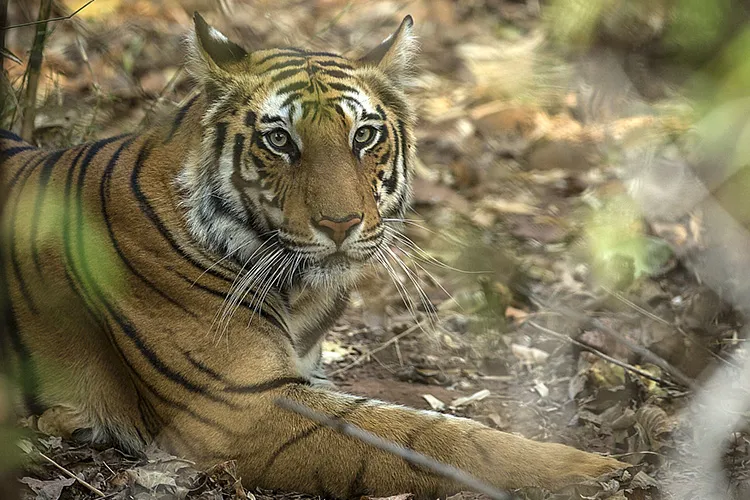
61, 421
583, 467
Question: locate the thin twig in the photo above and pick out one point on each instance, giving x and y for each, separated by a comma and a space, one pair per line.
65, 471
664, 322
635, 306
335, 19
365, 355
35, 66
44, 21
398, 354
169, 87
646, 354
599, 353
411, 456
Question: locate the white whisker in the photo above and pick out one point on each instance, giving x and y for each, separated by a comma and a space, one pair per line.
426, 304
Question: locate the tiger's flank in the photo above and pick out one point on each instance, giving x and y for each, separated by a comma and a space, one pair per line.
170, 286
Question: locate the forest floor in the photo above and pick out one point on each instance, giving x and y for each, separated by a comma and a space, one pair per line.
524, 237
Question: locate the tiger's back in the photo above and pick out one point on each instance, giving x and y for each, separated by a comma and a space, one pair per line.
171, 286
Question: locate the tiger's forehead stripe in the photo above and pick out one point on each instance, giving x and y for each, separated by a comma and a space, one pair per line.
316, 84
269, 56
286, 64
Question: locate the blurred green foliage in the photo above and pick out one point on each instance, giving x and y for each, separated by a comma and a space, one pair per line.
697, 25
619, 249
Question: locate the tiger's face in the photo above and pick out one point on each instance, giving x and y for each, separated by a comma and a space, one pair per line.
306, 156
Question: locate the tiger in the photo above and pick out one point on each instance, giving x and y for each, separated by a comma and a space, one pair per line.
170, 287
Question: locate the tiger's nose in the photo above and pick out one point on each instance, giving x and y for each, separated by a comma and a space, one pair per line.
339, 228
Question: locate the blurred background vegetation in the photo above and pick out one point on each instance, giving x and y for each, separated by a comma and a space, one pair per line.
583, 179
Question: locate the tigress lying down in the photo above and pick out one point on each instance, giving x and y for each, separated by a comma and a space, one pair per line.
270, 187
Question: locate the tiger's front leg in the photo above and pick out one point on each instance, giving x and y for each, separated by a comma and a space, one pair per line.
286, 451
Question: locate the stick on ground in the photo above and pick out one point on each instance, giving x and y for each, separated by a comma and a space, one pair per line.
65, 471
599, 353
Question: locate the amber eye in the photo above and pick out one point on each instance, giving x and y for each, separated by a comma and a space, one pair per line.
364, 135
278, 138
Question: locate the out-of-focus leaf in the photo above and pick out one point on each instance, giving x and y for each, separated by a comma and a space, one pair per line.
574, 22
10, 455
95, 10
649, 254
606, 375
529, 355
653, 387
617, 244
696, 24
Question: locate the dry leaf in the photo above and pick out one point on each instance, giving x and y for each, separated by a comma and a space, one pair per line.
541, 389
47, 490
517, 315
497, 421
403, 496
654, 423
529, 355
464, 401
434, 402
333, 352
151, 479
643, 481
624, 421
503, 206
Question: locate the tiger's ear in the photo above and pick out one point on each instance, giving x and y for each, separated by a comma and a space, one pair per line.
395, 55
211, 53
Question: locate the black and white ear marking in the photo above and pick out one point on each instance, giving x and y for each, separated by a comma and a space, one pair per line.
395, 55
213, 47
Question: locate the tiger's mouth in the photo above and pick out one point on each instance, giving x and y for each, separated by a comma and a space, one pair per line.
339, 269
327, 266
338, 259
340, 262
334, 271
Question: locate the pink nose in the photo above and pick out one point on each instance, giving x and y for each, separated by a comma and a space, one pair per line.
339, 228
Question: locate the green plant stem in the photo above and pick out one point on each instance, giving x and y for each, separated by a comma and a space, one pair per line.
3, 73
35, 66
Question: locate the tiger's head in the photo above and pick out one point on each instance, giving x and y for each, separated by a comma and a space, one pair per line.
305, 155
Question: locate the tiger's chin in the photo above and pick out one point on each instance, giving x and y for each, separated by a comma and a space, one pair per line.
334, 272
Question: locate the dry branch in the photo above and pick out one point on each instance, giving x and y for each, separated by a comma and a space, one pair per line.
32, 23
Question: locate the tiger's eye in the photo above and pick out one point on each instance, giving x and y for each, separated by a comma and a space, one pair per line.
363, 135
278, 138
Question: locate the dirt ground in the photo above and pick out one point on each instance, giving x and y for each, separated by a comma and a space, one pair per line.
560, 278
